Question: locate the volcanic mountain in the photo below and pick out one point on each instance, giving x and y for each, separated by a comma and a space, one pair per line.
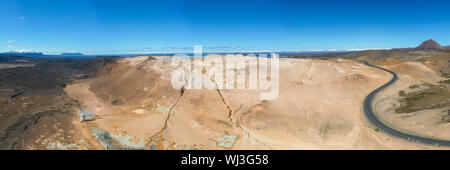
429, 45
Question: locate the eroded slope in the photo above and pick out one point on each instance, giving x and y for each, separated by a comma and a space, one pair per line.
319, 107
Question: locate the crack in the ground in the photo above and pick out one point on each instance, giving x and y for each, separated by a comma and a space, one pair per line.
167, 118
230, 114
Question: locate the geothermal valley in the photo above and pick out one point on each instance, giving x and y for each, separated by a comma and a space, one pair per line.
129, 103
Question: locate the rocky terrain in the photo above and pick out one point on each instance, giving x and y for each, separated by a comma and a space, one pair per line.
129, 103
35, 112
147, 113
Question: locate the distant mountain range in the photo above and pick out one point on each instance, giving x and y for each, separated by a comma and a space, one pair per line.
428, 45
24, 54
71, 54
38, 54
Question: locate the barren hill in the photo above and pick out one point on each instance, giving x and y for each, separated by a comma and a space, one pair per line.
153, 115
429, 45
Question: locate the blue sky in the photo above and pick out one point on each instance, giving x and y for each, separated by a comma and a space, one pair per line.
133, 26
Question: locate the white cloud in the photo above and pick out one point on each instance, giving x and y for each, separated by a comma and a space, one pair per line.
23, 51
15, 46
7, 42
10, 41
22, 18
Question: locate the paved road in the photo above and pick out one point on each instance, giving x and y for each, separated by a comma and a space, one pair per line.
368, 111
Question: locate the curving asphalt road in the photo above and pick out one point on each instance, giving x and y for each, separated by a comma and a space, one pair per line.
368, 111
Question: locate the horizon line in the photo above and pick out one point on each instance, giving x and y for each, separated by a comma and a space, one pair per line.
209, 52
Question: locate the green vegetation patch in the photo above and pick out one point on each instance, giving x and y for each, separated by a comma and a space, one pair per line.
446, 118
445, 81
444, 74
117, 102
431, 98
401, 93
414, 86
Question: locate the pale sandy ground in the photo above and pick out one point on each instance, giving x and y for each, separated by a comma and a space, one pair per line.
424, 122
319, 107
